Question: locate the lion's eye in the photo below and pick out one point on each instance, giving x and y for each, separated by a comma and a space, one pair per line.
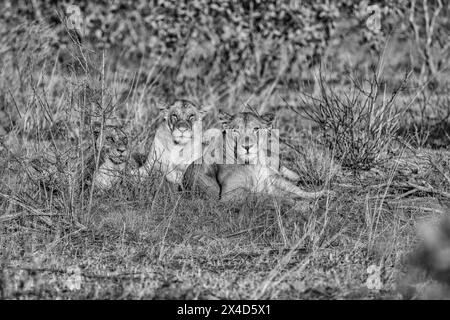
173, 118
110, 139
256, 129
192, 118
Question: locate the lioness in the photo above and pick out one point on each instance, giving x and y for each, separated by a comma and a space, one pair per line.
177, 142
248, 174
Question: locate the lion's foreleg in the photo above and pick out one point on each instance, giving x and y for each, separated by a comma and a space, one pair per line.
237, 194
197, 178
285, 188
289, 174
147, 167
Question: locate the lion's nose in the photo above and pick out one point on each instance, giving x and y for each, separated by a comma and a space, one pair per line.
182, 127
247, 144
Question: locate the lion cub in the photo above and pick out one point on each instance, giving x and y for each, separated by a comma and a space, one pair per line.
177, 142
100, 164
112, 160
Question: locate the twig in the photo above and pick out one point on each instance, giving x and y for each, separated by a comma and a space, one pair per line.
428, 189
243, 231
34, 212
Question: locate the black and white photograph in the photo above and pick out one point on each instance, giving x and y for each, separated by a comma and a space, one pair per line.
224, 150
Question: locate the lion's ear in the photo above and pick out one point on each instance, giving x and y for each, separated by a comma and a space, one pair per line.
204, 109
202, 112
96, 128
224, 119
163, 109
268, 117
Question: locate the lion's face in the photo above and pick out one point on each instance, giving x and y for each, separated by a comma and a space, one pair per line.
245, 129
115, 144
182, 117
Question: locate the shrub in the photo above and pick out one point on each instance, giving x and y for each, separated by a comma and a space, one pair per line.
358, 125
203, 39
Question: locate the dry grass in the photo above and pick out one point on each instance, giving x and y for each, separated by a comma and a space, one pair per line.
358, 123
143, 240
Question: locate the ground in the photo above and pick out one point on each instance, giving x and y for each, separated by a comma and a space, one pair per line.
149, 242
384, 160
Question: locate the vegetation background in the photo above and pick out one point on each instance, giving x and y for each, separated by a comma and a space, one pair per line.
361, 109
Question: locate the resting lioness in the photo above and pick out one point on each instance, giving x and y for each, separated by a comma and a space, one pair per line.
251, 172
177, 142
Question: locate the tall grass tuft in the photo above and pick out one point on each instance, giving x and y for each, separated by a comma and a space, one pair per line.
358, 124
